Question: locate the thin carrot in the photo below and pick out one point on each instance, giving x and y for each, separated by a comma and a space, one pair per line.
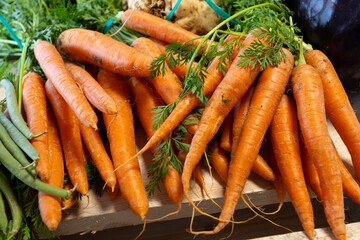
113, 193
240, 112
34, 100
226, 132
267, 94
50, 207
278, 182
91, 88
146, 98
98, 49
156, 27
337, 105
169, 85
310, 173
70, 138
120, 131
99, 155
219, 161
285, 141
67, 203
53, 66
189, 102
309, 96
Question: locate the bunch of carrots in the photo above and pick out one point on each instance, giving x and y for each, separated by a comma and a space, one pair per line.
247, 103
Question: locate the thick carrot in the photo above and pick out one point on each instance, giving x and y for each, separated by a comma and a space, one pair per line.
99, 155
120, 131
91, 88
145, 98
310, 173
70, 138
34, 100
189, 102
169, 85
156, 27
337, 105
226, 132
285, 141
50, 207
309, 96
267, 94
98, 49
179, 70
53, 66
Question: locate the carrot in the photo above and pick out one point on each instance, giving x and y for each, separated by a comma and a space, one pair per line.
226, 132
179, 70
146, 98
219, 161
98, 49
120, 131
278, 182
309, 96
50, 207
337, 105
267, 94
240, 112
113, 193
67, 203
70, 138
189, 102
99, 155
54, 69
156, 27
285, 141
92, 69
34, 101
169, 85
91, 88
310, 173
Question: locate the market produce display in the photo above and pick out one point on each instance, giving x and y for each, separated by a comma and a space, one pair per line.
67, 121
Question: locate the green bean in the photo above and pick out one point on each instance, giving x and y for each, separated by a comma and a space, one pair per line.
3, 217
15, 168
19, 138
15, 150
12, 107
15, 209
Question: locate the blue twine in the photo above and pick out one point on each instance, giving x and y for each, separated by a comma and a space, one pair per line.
108, 25
171, 13
11, 31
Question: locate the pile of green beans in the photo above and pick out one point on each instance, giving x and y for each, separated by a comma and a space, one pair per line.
14, 142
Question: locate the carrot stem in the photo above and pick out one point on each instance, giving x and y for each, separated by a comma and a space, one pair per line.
21, 76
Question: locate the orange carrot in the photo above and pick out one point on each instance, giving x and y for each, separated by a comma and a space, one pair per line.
113, 193
169, 85
267, 94
99, 155
146, 98
240, 112
91, 88
156, 27
310, 173
120, 131
309, 96
67, 203
226, 132
189, 102
337, 105
285, 141
278, 182
34, 100
219, 161
70, 138
53, 66
49, 206
98, 49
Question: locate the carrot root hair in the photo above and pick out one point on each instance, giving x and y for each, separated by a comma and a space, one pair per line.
142, 230
261, 211
167, 215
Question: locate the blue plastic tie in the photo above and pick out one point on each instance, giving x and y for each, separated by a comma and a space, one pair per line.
171, 13
11, 31
224, 15
108, 25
